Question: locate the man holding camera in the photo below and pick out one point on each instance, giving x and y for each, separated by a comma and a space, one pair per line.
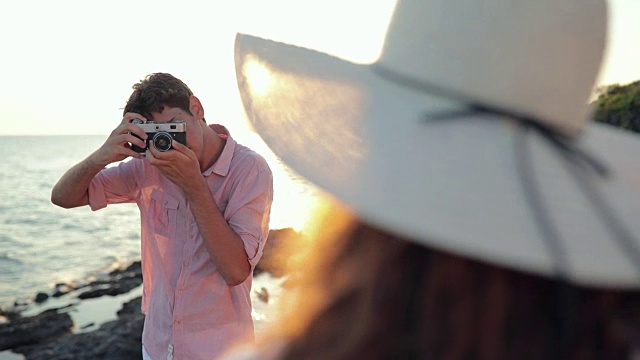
204, 201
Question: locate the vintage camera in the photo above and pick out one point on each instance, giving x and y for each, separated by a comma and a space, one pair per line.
161, 135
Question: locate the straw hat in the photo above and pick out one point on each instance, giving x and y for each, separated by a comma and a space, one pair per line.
470, 134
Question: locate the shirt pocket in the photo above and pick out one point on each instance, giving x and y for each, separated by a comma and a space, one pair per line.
164, 212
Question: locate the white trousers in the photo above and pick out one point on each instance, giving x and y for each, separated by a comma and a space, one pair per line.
145, 355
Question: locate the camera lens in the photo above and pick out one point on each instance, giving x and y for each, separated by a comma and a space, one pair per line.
162, 141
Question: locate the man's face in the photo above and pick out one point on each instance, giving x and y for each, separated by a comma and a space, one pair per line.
170, 114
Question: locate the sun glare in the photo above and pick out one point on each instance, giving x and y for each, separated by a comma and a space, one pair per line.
52, 62
259, 75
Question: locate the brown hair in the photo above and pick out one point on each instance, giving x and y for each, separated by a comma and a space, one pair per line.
367, 294
155, 92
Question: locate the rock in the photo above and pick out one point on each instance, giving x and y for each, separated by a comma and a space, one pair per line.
49, 336
41, 297
47, 325
119, 281
131, 308
263, 295
134, 270
117, 339
10, 315
278, 251
20, 303
111, 289
62, 289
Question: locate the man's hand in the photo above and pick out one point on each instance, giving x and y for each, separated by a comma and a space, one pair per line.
117, 147
72, 188
180, 165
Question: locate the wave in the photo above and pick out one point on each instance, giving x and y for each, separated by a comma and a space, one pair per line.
6, 259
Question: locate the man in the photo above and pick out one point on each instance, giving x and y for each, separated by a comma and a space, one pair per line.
205, 215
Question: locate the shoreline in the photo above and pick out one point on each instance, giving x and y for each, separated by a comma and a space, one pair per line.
105, 326
71, 321
101, 317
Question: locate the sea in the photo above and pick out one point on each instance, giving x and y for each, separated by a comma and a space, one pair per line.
42, 245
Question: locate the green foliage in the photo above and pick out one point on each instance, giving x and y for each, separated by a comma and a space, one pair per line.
619, 105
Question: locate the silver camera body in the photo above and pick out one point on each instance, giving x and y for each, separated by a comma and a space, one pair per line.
161, 135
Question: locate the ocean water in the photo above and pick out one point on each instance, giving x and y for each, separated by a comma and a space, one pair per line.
41, 244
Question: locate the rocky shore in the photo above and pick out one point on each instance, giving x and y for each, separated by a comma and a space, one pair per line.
52, 333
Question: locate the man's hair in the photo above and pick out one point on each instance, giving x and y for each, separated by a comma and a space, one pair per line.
157, 91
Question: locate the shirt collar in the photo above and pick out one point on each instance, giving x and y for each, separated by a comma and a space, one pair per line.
221, 166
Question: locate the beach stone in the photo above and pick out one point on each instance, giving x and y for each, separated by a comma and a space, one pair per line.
119, 281
111, 288
131, 308
49, 336
8, 314
117, 339
277, 252
61, 289
41, 297
20, 303
32, 330
134, 269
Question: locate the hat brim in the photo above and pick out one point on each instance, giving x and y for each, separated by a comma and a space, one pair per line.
455, 185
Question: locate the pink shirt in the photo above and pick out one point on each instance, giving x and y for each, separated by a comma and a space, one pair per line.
190, 310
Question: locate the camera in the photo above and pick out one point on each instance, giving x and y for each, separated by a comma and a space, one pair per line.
161, 135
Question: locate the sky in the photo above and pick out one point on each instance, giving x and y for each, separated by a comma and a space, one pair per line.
622, 60
67, 66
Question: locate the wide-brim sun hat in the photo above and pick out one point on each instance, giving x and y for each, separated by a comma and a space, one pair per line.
470, 134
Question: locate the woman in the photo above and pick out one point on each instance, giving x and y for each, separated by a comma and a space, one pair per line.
478, 212
372, 295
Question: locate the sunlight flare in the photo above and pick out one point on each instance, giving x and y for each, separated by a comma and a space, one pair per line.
260, 75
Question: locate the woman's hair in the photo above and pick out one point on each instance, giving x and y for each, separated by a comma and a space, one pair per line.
366, 294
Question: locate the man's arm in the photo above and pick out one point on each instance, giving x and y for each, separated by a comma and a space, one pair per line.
225, 247
72, 188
